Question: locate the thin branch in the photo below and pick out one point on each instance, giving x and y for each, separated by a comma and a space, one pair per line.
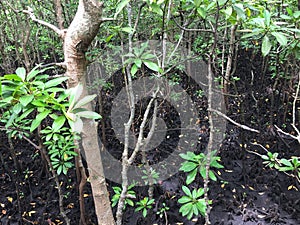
60, 32
234, 122
192, 29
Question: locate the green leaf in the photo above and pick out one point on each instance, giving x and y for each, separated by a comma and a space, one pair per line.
197, 3
55, 82
186, 190
21, 72
17, 108
58, 123
212, 175
286, 162
144, 212
39, 118
202, 12
186, 209
26, 99
120, 7
84, 101
228, 12
188, 166
151, 65
128, 30
138, 62
32, 73
191, 176
266, 46
133, 69
12, 77
89, 115
184, 199
267, 17
280, 37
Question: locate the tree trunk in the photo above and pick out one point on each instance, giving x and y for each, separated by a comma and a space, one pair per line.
79, 36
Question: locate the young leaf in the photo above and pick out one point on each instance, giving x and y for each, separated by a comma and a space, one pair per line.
21, 72
89, 115
266, 46
84, 101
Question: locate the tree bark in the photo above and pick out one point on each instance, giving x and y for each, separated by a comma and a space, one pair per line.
79, 36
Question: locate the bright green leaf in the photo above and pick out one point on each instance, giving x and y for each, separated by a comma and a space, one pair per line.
26, 99
55, 82
58, 123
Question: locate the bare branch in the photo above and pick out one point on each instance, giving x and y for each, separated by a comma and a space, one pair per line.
234, 122
60, 32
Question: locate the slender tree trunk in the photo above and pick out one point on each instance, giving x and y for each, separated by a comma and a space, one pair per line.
79, 36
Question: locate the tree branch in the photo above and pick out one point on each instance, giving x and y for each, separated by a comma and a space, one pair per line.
60, 32
234, 122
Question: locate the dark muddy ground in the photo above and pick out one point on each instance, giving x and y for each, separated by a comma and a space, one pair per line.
246, 193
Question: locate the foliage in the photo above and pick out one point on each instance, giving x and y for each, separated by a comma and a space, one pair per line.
192, 203
289, 166
143, 205
197, 163
152, 174
162, 210
31, 100
130, 194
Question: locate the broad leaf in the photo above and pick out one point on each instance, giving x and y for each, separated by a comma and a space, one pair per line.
266, 46
21, 72
55, 82
152, 66
85, 100
280, 37
186, 190
89, 115
39, 118
26, 99
191, 176
58, 123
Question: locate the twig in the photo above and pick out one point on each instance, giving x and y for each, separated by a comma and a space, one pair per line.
234, 122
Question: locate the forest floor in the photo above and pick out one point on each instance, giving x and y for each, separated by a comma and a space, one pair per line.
246, 193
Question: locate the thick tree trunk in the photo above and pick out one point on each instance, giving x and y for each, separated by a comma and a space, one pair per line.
79, 36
